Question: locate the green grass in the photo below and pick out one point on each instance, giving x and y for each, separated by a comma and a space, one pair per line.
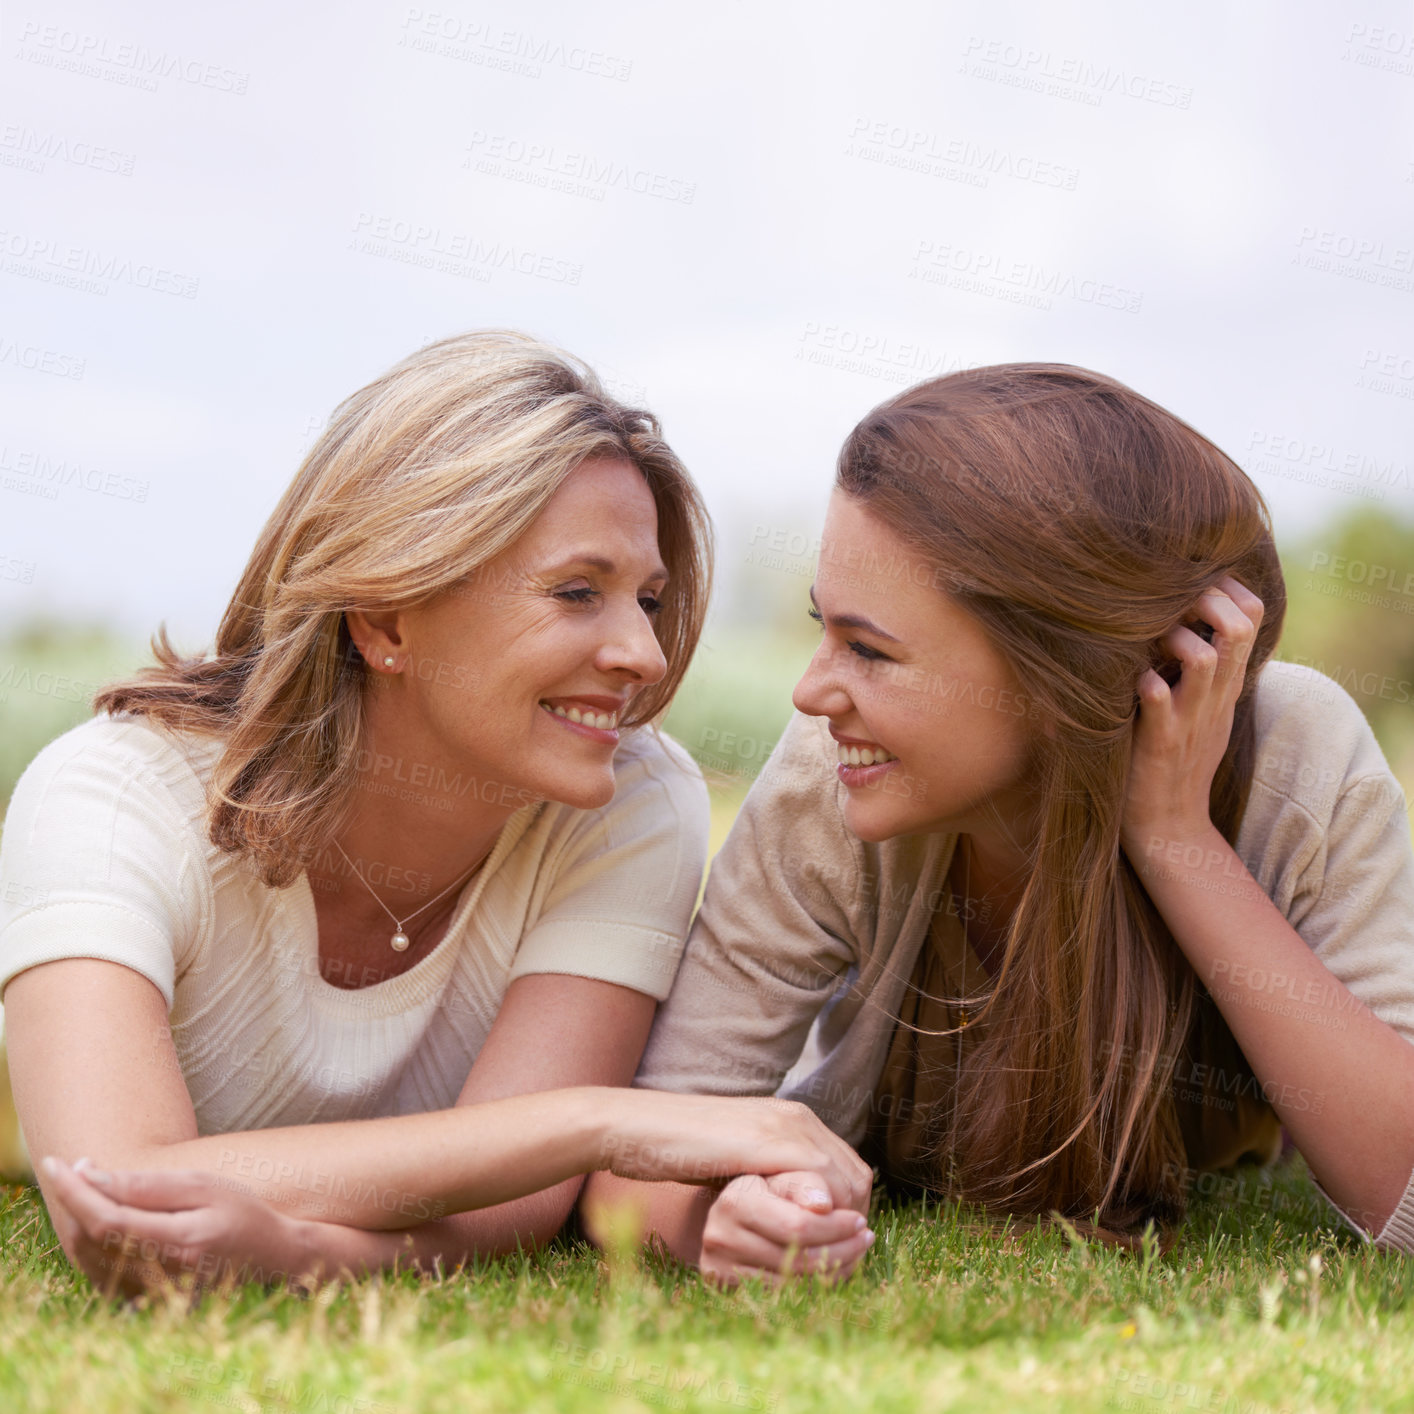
1262, 1304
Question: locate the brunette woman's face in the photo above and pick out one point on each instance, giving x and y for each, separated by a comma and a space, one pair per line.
517, 680
933, 730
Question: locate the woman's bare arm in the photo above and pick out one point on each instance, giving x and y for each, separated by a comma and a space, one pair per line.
551, 1032
95, 1075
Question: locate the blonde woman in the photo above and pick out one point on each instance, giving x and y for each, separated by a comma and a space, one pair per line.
1058, 888
349, 936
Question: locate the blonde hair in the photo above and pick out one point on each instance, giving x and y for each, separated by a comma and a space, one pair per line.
419, 480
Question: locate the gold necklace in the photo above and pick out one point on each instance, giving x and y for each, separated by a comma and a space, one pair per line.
399, 941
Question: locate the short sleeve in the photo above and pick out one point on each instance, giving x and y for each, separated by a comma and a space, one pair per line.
626, 876
773, 937
96, 861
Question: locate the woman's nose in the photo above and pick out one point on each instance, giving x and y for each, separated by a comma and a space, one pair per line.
633, 647
819, 693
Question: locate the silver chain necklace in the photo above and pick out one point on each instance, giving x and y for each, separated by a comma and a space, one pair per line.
400, 940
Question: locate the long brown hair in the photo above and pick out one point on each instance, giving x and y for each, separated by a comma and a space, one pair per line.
1078, 521
420, 478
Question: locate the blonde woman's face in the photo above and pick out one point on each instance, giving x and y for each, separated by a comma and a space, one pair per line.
519, 677
932, 729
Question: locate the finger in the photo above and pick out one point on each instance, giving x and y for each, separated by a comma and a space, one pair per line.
785, 1223
1243, 597
847, 1176
807, 1189
165, 1190
1155, 695
66, 1225
1194, 654
104, 1221
739, 1249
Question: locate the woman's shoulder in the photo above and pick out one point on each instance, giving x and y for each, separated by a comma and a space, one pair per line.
114, 753
1313, 740
123, 747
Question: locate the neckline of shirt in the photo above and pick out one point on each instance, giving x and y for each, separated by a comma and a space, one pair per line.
300, 941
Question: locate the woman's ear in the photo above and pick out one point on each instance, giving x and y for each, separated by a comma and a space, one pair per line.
378, 634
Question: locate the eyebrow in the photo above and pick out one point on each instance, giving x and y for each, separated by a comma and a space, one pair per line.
608, 567
854, 621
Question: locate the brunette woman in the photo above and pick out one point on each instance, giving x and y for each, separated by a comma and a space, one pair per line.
1058, 887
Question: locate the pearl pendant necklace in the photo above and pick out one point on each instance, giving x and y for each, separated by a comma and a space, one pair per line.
400, 942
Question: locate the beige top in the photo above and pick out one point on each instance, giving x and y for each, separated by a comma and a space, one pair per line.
105, 855
800, 957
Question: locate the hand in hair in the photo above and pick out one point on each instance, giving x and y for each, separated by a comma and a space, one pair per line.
1182, 730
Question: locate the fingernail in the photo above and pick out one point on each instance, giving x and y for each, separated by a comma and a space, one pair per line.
859, 1221
80, 1163
817, 1195
99, 1176
49, 1164
868, 1238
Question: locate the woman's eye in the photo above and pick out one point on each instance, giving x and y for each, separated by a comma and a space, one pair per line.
651, 605
577, 596
860, 650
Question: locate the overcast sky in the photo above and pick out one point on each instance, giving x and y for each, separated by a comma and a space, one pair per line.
761, 219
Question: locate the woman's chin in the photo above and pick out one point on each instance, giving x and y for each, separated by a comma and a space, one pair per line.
873, 821
582, 792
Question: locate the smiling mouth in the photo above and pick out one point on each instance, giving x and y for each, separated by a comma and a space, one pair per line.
864, 756
583, 715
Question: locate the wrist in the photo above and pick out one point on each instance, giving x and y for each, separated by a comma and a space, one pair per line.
1165, 840
325, 1250
597, 1125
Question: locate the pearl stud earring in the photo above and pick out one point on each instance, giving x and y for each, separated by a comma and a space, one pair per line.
388, 662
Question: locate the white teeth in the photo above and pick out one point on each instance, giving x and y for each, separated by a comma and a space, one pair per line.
604, 721
864, 756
